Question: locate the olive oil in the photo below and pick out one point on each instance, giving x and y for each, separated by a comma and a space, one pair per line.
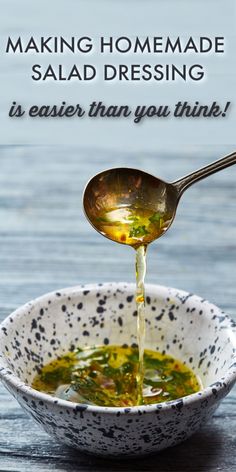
131, 225
107, 376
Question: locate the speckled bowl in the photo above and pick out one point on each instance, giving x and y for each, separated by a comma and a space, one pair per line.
182, 324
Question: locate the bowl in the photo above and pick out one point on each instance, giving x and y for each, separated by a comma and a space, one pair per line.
179, 323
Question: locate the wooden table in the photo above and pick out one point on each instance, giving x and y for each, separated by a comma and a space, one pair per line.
45, 244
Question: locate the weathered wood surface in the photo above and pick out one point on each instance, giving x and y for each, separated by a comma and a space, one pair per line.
45, 244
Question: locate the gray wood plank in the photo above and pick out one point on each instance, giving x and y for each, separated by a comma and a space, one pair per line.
46, 243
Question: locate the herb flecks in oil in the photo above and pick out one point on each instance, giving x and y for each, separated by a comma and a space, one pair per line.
107, 376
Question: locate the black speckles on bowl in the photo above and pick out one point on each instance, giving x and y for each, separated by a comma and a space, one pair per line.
178, 323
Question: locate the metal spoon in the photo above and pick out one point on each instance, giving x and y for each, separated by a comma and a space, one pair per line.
117, 200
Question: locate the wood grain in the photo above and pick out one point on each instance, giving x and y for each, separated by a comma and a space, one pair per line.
46, 243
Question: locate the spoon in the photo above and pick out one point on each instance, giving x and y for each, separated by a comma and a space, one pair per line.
133, 207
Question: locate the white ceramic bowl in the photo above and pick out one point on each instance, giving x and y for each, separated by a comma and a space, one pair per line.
191, 329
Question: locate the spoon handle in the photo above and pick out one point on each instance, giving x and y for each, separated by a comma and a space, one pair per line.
182, 184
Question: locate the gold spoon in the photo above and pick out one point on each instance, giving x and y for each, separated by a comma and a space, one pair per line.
132, 207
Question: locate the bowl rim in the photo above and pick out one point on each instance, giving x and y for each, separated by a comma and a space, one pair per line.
220, 386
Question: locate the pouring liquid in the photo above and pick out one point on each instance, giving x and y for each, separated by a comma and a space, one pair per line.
136, 227
140, 302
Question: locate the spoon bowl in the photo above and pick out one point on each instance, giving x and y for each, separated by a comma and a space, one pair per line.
130, 206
